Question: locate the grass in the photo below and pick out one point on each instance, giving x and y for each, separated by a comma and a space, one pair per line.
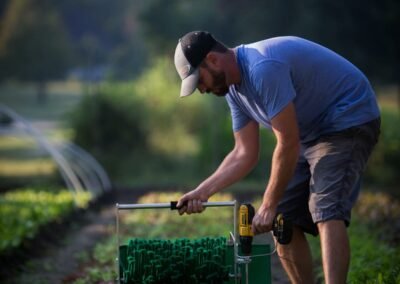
13, 143
20, 156
15, 168
23, 162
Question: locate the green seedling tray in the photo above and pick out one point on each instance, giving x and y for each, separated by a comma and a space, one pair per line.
259, 267
178, 261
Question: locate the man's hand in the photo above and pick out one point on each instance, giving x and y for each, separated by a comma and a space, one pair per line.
194, 200
263, 220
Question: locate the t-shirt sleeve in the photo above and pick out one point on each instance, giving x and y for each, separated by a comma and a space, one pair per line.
239, 118
273, 83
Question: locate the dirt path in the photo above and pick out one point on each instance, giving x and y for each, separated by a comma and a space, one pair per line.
62, 259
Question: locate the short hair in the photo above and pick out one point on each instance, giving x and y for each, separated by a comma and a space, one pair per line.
218, 47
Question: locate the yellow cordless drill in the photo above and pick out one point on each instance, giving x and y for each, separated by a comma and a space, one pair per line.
246, 215
282, 229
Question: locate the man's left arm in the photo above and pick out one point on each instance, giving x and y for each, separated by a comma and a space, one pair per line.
284, 160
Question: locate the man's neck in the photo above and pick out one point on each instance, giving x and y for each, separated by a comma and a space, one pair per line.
233, 70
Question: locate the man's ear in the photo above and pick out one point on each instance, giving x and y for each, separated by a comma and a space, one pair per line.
212, 59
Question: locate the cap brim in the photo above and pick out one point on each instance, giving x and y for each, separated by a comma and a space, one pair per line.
189, 84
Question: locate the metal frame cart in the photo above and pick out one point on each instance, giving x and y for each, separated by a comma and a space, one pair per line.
252, 269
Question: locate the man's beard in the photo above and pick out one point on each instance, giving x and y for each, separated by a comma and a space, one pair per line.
220, 88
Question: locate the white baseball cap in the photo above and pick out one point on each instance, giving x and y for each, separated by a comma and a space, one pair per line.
192, 48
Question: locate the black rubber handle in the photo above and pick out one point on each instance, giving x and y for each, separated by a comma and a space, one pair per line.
174, 203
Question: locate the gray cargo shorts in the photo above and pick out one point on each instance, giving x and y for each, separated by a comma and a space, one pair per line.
327, 179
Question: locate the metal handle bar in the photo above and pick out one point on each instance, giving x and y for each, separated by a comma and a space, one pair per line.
170, 206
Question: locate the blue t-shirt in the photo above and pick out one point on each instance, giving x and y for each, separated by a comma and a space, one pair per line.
329, 93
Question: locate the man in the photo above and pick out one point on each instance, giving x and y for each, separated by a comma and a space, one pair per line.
325, 117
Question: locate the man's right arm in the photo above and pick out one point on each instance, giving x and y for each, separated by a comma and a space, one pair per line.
236, 165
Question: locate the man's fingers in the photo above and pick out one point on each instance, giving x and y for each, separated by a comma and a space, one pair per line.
255, 227
255, 223
181, 201
190, 206
197, 206
258, 229
182, 210
200, 206
189, 209
181, 205
259, 225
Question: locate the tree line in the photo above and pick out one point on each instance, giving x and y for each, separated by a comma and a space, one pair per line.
42, 40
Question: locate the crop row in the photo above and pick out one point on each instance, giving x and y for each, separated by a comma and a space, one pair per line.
24, 211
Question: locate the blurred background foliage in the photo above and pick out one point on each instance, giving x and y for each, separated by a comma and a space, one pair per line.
122, 36
119, 59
